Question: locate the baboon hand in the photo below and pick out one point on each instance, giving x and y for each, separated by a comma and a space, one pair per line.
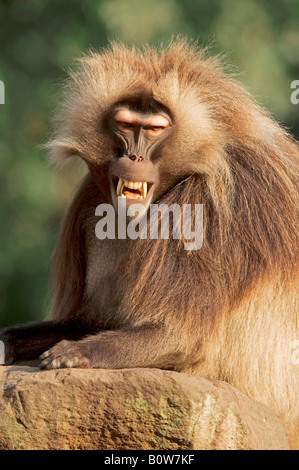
64, 354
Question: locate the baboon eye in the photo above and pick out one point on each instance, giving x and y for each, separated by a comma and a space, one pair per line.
154, 131
126, 125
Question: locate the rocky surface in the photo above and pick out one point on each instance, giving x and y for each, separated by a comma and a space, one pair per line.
129, 409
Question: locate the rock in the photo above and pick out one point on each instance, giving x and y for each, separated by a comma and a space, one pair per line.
129, 409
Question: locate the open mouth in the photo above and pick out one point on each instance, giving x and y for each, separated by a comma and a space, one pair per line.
131, 189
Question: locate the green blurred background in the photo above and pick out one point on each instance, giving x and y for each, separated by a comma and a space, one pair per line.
39, 40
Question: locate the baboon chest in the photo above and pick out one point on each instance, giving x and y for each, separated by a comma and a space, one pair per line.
105, 273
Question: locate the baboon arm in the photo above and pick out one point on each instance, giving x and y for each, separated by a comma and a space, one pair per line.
27, 342
136, 347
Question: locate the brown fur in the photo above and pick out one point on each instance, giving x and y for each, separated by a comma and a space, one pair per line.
227, 311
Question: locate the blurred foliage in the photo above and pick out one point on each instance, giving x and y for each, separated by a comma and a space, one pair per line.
40, 38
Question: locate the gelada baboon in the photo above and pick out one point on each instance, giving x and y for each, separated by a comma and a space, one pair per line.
170, 126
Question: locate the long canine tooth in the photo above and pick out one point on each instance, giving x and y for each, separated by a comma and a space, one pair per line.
144, 190
120, 186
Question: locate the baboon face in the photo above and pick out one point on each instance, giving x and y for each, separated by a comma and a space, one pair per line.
138, 133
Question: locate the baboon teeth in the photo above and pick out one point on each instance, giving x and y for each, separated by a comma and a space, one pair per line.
136, 185
144, 190
120, 187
